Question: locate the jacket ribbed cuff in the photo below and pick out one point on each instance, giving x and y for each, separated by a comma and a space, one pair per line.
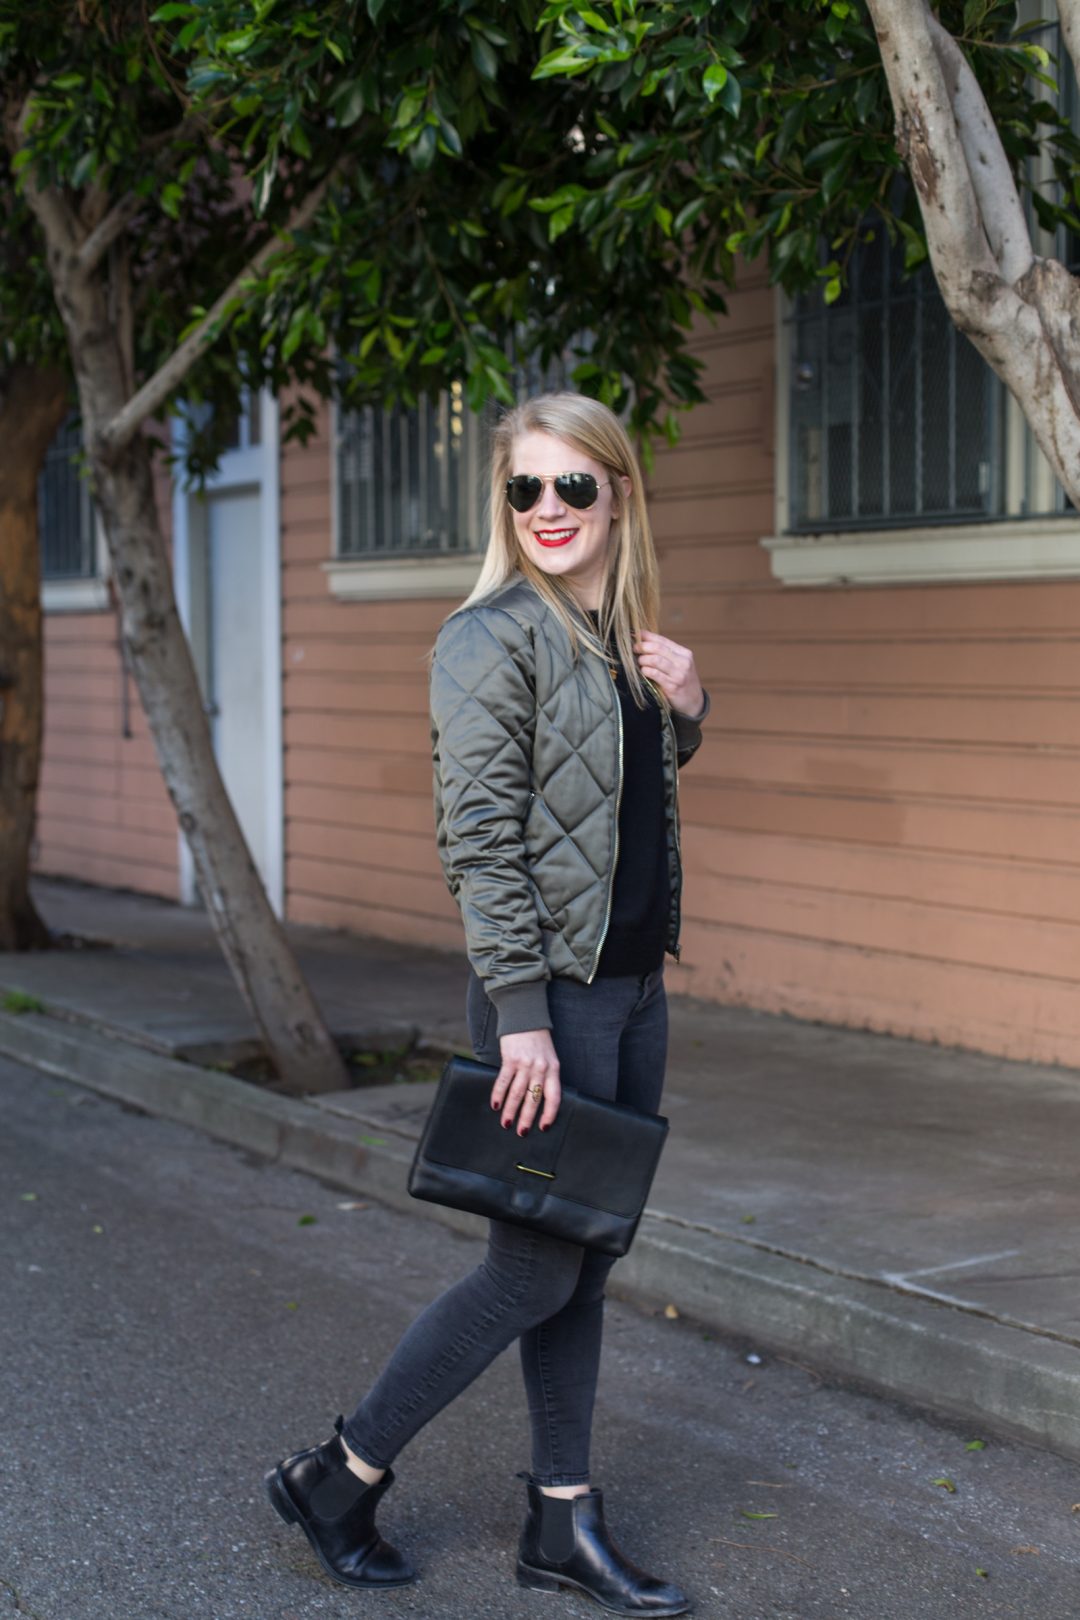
521, 1006
688, 727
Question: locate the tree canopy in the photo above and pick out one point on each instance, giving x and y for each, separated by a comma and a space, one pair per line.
471, 178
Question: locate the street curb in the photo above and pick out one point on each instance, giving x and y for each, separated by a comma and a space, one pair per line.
910, 1348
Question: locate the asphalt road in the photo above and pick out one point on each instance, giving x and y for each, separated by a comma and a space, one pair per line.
170, 1328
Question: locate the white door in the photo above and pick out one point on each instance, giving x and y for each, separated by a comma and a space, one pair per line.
236, 648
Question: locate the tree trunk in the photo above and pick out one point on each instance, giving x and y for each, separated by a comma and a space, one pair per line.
95, 306
32, 407
249, 933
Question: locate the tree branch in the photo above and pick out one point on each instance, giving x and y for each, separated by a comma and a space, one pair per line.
991, 177
59, 222
1069, 18
102, 237
156, 390
928, 139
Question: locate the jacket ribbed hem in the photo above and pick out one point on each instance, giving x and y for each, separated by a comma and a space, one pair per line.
521, 1006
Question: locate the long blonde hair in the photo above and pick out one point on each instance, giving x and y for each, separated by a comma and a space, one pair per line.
630, 599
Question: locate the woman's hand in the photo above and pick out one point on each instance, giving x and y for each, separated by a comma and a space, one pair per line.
672, 669
528, 1061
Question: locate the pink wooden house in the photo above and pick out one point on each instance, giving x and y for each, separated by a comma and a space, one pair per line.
881, 583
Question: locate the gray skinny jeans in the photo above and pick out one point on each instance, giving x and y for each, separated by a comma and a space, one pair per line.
611, 1039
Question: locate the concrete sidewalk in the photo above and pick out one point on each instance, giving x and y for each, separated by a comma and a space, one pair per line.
900, 1213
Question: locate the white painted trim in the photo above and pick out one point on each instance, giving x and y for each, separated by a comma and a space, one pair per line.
273, 692
782, 409
373, 579
1036, 548
255, 466
87, 595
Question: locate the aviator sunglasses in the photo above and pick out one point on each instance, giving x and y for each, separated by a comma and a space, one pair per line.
576, 489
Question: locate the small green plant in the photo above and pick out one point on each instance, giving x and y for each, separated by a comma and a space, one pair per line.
17, 1001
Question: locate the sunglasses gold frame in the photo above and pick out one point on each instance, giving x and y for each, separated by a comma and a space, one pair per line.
553, 478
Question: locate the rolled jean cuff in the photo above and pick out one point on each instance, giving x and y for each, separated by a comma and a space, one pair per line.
360, 1450
521, 1006
549, 1481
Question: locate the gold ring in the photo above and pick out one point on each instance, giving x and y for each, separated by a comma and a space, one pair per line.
536, 1091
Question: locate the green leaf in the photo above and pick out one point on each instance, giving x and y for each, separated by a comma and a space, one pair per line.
730, 97
946, 1484
374, 8
349, 105
833, 289
373, 1141
172, 196
307, 1220
562, 62
662, 217
422, 150
914, 245
432, 356
450, 136
299, 142
28, 1198
238, 41
975, 1445
560, 221
485, 61
335, 50
714, 79
748, 1515
68, 81
173, 10
687, 214
985, 1573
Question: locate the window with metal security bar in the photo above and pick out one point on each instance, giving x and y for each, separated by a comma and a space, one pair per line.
66, 523
408, 479
411, 481
894, 417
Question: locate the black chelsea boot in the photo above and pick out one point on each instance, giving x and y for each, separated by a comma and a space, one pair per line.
317, 1490
565, 1542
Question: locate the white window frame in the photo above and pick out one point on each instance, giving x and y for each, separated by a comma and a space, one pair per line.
373, 578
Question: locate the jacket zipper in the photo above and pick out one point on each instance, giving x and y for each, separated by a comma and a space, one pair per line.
678, 841
618, 802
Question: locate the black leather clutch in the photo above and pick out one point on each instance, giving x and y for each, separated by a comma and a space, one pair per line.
586, 1179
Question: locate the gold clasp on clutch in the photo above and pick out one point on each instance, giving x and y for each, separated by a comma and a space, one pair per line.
549, 1175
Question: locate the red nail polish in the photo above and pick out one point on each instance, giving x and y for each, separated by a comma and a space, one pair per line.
525, 1132
506, 1124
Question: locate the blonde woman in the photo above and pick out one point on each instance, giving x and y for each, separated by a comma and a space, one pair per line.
560, 718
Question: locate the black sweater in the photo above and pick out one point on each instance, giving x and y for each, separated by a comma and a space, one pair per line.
641, 894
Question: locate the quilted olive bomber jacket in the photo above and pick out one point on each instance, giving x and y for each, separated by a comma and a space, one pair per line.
527, 749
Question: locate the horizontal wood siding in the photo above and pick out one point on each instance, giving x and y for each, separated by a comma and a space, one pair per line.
359, 824
881, 829
103, 813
